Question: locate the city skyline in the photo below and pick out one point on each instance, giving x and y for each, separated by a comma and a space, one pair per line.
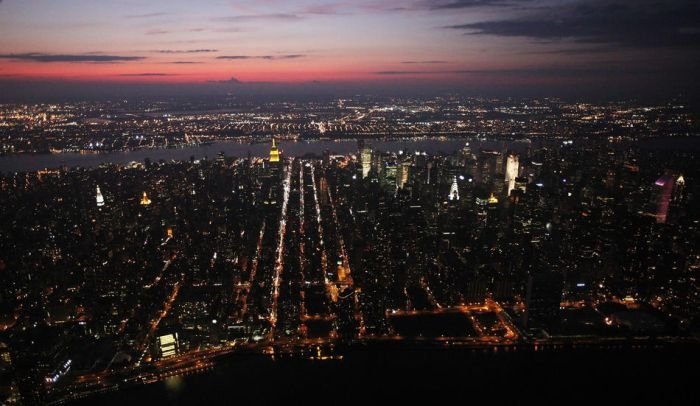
302, 201
460, 45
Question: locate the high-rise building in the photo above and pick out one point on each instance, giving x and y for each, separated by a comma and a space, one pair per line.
145, 201
168, 345
366, 160
402, 175
666, 184
323, 191
274, 152
388, 178
512, 167
467, 151
99, 198
542, 299
454, 190
679, 189
493, 201
427, 177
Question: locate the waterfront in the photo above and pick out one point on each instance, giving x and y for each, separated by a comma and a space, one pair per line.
298, 254
432, 146
34, 162
408, 372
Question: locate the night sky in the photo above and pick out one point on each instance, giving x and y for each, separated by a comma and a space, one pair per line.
543, 46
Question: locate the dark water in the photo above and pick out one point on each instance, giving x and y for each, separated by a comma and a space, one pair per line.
406, 375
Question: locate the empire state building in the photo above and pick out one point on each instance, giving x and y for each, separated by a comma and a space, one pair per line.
274, 153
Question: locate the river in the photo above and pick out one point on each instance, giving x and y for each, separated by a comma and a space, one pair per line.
34, 162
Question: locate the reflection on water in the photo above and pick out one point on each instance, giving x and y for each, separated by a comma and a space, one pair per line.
174, 385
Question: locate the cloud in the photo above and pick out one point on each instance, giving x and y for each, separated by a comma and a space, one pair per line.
264, 16
183, 62
572, 51
265, 57
410, 72
157, 31
89, 57
147, 74
184, 51
457, 4
146, 15
441, 5
639, 24
160, 31
229, 29
423, 62
548, 71
325, 9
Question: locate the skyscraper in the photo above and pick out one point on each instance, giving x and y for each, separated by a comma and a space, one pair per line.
145, 201
665, 191
99, 198
168, 345
402, 174
388, 176
679, 189
274, 152
542, 299
366, 160
512, 167
454, 190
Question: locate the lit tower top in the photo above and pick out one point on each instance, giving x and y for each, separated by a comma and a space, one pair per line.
99, 198
145, 201
274, 152
493, 199
679, 189
512, 167
454, 191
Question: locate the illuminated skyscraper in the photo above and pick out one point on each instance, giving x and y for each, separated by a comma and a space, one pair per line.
402, 175
454, 190
168, 345
323, 191
467, 151
493, 200
679, 189
512, 167
366, 160
388, 176
145, 201
99, 198
666, 184
274, 152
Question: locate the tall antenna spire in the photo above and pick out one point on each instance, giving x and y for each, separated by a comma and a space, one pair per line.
454, 191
